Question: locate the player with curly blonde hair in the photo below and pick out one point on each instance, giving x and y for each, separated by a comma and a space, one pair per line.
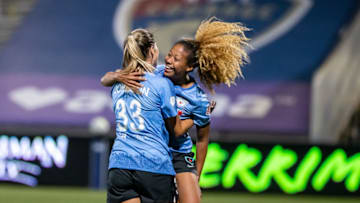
219, 52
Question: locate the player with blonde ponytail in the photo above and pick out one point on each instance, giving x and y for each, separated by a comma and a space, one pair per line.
140, 155
219, 51
134, 52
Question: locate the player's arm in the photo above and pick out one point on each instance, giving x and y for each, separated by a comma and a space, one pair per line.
131, 80
202, 141
175, 126
202, 121
178, 127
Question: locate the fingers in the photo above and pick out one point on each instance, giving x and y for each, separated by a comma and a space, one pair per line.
134, 84
212, 106
124, 78
139, 73
139, 76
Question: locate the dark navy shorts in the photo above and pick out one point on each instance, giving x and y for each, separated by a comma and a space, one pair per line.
126, 184
184, 162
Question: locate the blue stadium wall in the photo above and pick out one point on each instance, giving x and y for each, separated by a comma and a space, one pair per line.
51, 66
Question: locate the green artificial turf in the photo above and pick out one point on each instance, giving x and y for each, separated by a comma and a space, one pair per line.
22, 194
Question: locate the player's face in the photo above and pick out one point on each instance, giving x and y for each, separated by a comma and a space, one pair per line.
176, 64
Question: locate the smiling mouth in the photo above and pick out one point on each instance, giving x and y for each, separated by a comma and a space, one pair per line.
169, 69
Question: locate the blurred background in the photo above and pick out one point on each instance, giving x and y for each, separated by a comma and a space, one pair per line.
289, 131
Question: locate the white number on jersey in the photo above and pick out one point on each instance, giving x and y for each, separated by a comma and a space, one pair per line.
135, 109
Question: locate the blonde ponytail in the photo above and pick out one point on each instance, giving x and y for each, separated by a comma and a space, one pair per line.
136, 48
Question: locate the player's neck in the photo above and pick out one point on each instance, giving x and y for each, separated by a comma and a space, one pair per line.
187, 85
188, 82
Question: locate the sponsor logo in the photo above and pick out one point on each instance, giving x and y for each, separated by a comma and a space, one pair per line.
172, 101
190, 161
21, 159
244, 106
171, 20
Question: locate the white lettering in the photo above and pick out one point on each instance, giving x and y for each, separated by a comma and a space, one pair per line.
25, 145
2, 168
222, 103
4, 147
145, 91
251, 106
255, 106
45, 150
12, 170
32, 98
15, 150
88, 101
40, 153
57, 152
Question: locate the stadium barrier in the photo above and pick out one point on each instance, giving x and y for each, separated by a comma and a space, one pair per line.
245, 167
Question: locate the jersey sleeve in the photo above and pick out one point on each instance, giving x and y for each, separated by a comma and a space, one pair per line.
201, 114
159, 71
167, 96
112, 89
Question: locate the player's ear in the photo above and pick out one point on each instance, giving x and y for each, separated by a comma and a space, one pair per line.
153, 54
150, 55
153, 50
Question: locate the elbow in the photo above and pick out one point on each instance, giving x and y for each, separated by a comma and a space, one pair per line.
105, 81
177, 134
102, 81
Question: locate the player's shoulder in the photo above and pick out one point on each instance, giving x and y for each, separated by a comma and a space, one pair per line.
201, 94
195, 95
201, 103
159, 70
152, 76
158, 81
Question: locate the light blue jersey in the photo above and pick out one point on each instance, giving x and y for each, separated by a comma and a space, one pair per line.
141, 137
193, 103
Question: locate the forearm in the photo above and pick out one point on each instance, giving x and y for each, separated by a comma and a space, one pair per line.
177, 127
201, 151
108, 79
182, 126
202, 142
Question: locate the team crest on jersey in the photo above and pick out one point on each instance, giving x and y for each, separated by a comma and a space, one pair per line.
170, 20
181, 102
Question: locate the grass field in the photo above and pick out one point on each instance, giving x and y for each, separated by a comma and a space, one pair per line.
22, 194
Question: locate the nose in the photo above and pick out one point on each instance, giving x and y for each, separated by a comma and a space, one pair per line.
167, 59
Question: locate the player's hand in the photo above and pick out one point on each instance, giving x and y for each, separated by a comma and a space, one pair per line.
132, 80
212, 106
